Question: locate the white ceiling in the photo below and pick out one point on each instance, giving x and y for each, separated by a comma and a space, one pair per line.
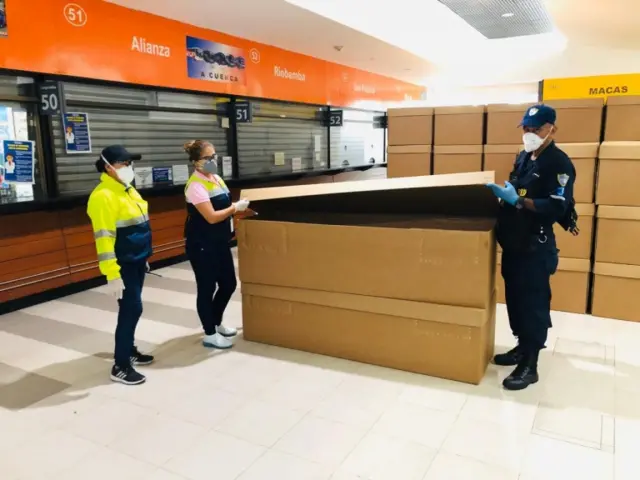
421, 41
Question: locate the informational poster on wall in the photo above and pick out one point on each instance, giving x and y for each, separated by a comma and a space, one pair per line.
4, 24
143, 177
18, 164
227, 167
77, 134
162, 175
180, 174
296, 164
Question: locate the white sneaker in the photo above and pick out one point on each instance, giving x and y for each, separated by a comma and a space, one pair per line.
217, 341
227, 331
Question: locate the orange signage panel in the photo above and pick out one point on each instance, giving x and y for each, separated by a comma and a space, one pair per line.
99, 40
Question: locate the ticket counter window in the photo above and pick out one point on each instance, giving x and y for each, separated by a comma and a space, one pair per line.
19, 159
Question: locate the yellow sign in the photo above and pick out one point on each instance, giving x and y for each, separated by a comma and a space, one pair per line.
591, 87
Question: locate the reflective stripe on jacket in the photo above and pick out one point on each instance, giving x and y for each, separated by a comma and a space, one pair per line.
120, 219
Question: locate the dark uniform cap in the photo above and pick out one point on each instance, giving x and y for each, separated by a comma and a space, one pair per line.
118, 154
538, 115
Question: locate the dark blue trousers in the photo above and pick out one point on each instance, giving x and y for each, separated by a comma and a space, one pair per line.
527, 289
216, 282
130, 310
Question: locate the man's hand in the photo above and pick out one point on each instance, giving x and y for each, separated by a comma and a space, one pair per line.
507, 193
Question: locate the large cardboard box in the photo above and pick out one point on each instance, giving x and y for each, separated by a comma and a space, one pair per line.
457, 159
616, 290
578, 121
503, 123
355, 258
584, 157
569, 285
623, 119
618, 235
408, 161
618, 174
579, 246
459, 125
500, 159
410, 126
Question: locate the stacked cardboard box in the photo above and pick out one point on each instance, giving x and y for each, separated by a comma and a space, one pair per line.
457, 139
410, 133
398, 272
623, 119
617, 269
504, 139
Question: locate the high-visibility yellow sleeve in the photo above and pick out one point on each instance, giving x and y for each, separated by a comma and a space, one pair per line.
103, 215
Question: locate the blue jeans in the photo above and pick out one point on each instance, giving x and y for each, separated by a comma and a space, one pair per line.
130, 310
527, 289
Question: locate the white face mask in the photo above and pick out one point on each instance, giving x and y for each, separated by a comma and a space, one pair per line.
126, 174
533, 142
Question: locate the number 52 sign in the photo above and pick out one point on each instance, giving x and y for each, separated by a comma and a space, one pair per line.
50, 97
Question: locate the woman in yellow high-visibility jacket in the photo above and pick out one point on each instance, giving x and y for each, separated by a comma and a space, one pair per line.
120, 219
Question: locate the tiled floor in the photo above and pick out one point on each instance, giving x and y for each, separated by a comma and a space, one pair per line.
265, 413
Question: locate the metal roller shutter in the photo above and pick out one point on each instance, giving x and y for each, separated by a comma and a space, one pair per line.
290, 129
357, 142
157, 135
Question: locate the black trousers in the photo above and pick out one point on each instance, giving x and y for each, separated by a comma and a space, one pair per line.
527, 278
130, 310
214, 269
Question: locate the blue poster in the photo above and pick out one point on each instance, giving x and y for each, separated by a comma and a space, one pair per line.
162, 175
77, 136
215, 62
19, 161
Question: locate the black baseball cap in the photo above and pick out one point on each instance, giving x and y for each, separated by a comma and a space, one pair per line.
115, 154
119, 154
538, 115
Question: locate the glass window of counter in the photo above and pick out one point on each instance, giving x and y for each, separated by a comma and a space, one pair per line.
20, 160
358, 141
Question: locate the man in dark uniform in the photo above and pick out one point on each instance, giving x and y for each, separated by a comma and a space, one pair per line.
538, 194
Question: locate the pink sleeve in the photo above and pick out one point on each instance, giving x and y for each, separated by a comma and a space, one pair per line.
196, 193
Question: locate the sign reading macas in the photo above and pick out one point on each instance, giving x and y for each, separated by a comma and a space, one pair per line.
50, 97
243, 112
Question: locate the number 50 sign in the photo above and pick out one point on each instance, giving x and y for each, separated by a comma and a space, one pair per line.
75, 15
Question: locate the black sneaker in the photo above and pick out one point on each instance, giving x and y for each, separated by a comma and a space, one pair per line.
141, 359
127, 376
510, 358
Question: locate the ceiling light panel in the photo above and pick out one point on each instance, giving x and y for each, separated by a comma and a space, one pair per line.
493, 20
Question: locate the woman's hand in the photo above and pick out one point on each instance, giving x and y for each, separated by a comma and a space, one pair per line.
241, 205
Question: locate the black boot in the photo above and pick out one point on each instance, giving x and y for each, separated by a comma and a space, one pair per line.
510, 358
525, 374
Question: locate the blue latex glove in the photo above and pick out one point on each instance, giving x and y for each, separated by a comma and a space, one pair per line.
507, 193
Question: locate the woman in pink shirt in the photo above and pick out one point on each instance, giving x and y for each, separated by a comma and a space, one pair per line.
208, 232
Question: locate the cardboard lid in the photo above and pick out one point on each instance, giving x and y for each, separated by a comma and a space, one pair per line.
585, 209
580, 150
618, 213
617, 270
512, 149
576, 103
579, 265
457, 149
409, 149
508, 107
459, 194
574, 265
479, 109
431, 312
615, 100
410, 112
620, 150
